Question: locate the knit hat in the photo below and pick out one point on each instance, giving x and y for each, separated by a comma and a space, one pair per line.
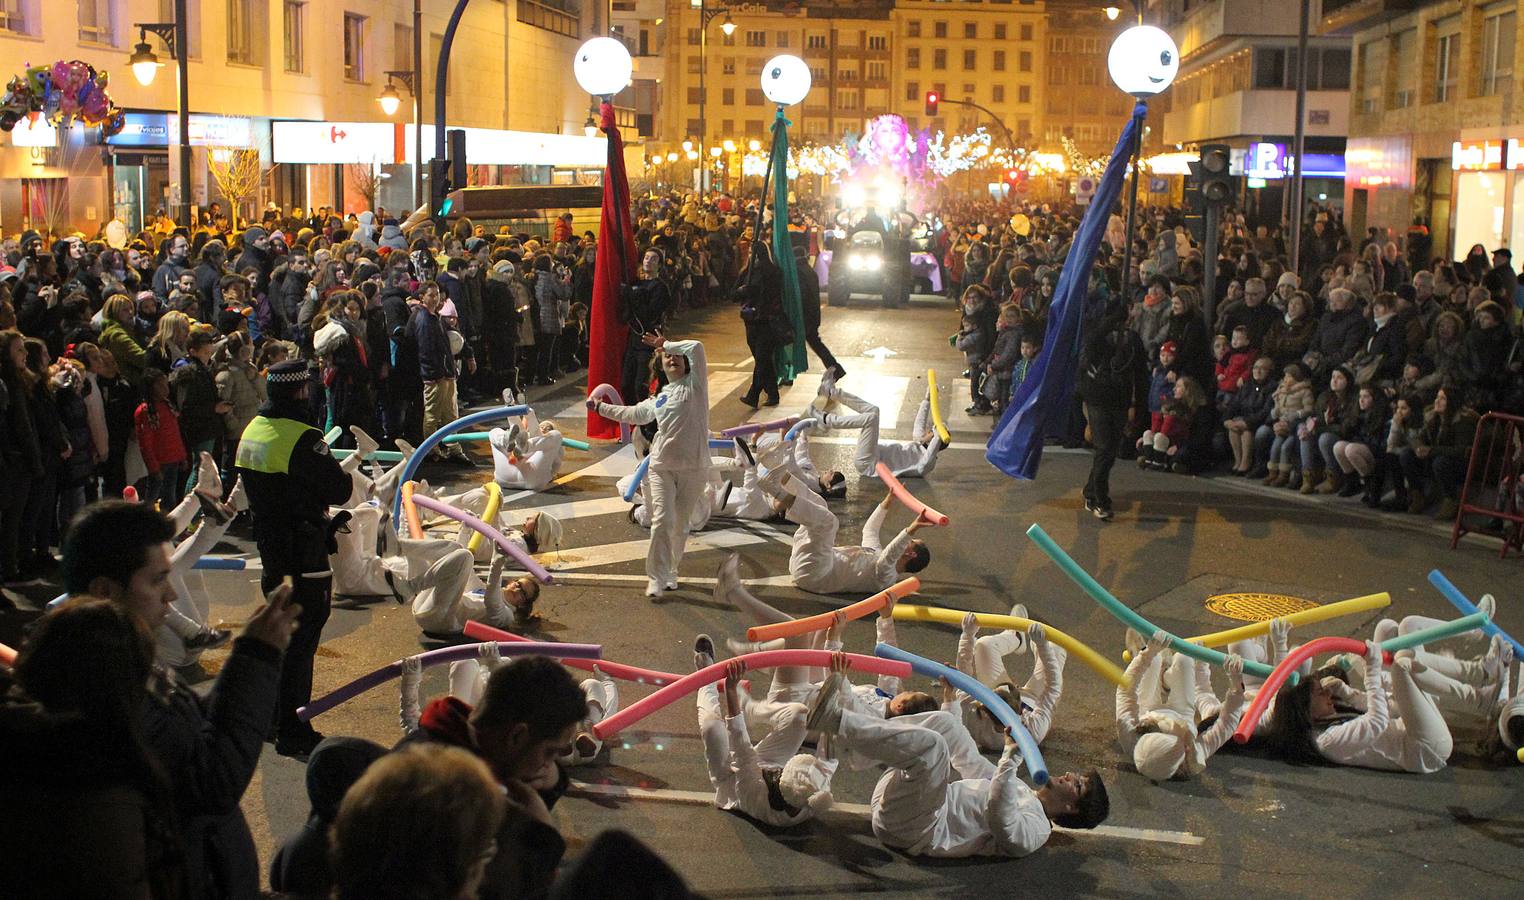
290, 372
548, 531
474, 244
29, 236
1289, 279
805, 782
447, 308
503, 266
1169, 347
1160, 755
254, 233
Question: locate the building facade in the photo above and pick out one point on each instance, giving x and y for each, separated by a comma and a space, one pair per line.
256, 63
1434, 131
1237, 86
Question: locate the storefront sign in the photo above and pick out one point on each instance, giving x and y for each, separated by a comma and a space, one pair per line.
334, 142
1476, 156
163, 130
1268, 162
34, 133
386, 143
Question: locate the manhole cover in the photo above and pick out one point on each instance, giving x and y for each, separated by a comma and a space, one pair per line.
1254, 607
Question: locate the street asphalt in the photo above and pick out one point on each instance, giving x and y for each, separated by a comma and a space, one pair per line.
1247, 827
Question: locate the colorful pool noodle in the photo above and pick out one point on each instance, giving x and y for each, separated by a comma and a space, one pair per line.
640, 474
7, 656
799, 426
494, 503
971, 686
1463, 603
332, 434
903, 494
1321, 645
509, 547
375, 455
783, 424
1304, 617
718, 444
610, 394
858, 610
936, 408
481, 631
221, 563
1127, 616
1101, 665
765, 659
443, 655
410, 468
414, 526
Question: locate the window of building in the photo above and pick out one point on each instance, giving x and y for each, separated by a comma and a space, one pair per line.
817, 75
1405, 51
939, 59
970, 59
912, 91
1333, 69
971, 31
728, 126
728, 65
815, 42
727, 40
876, 71
1057, 75
754, 97
694, 96
402, 47
754, 67
1026, 32
968, 89
846, 75
756, 39
878, 42
241, 33
354, 47
13, 17
783, 40
1058, 44
1023, 127
999, 31
999, 61
1089, 75
1024, 61
95, 22
913, 28
913, 58
939, 29
847, 100
997, 93
1497, 52
293, 39
1024, 94
728, 96
695, 126
1446, 66
693, 37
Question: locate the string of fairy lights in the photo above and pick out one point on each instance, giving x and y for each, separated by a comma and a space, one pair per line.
944, 156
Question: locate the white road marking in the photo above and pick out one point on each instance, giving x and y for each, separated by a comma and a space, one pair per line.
627, 551
704, 798
777, 581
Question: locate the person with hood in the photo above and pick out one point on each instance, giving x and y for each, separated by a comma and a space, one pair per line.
552, 290
256, 255
176, 260
500, 328
291, 480
209, 272
678, 470
365, 230
209, 740
391, 236
1172, 732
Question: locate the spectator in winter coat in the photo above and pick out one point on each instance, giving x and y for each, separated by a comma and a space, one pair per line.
1341, 333
1246, 412
1254, 313
1003, 357
1276, 440
552, 290
176, 260
436, 365
1437, 463
1492, 361
256, 255
239, 385
158, 431
1379, 361
1151, 315
643, 309
209, 272
1234, 357
119, 338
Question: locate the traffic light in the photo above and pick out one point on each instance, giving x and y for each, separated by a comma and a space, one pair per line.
440, 188
931, 104
1195, 204
1216, 180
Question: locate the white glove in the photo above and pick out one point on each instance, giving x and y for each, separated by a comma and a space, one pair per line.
1280, 630
1037, 634
239, 498
1372, 658
1156, 644
970, 624
412, 674
1234, 666
489, 656
208, 479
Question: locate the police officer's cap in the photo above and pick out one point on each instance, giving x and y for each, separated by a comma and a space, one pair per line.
290, 372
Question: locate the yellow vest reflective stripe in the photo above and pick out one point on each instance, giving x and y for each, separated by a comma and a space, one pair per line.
266, 444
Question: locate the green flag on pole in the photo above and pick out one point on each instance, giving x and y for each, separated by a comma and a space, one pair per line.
792, 358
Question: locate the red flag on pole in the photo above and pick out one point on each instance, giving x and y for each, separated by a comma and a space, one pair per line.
614, 266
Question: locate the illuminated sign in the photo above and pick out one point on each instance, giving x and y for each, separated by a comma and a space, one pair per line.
163, 130
386, 143
34, 133
1477, 156
334, 142
1268, 162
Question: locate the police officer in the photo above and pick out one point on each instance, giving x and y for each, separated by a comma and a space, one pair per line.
291, 480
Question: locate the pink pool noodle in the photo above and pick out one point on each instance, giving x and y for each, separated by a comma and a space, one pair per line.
7, 656
609, 393
1288, 665
904, 496
760, 427
497, 537
766, 659
481, 631
436, 657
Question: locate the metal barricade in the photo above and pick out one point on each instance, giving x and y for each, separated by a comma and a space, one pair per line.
1492, 497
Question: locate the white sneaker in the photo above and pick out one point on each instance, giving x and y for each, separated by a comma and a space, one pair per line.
653, 588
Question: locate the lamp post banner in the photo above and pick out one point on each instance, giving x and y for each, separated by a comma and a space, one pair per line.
613, 267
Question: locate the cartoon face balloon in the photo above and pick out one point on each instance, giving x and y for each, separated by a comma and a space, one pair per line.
1143, 60
785, 79
603, 67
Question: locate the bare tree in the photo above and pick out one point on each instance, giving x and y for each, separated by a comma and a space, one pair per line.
238, 173
366, 179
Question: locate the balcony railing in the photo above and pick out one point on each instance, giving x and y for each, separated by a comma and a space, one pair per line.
551, 18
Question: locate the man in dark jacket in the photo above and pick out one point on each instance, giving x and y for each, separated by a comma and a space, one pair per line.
1340, 334
436, 367
176, 260
1253, 313
256, 255
402, 399
195, 390
208, 743
1113, 383
209, 272
292, 290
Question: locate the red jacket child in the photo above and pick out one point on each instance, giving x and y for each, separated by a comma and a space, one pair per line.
159, 436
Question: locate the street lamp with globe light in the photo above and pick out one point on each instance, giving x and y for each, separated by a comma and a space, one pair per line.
1143, 62
145, 65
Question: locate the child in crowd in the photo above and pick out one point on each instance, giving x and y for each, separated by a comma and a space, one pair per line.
1160, 449
1031, 345
1161, 387
1234, 359
976, 339
1293, 402
1247, 412
1003, 359
158, 429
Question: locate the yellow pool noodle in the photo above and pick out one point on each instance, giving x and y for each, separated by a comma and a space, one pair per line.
909, 612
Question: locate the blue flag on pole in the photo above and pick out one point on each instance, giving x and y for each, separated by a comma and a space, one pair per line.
1016, 446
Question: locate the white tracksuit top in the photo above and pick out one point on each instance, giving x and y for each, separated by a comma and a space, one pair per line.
680, 411
866, 568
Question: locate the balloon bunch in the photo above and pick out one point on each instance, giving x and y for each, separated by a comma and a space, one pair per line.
65, 91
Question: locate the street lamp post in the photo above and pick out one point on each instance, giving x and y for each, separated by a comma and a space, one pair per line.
706, 15
1143, 62
145, 65
389, 101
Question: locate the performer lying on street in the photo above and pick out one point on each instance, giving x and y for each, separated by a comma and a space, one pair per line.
1034, 701
940, 797
526, 456
1167, 739
906, 459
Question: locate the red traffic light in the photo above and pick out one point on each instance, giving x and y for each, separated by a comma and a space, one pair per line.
931, 103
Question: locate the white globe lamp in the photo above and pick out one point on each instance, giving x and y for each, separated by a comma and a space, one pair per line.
785, 80
1143, 60
603, 67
